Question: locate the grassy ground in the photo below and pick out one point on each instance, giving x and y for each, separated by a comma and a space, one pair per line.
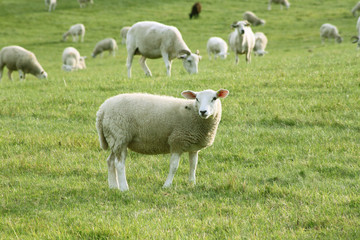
285, 162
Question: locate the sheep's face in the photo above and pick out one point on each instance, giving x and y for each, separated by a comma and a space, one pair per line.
240, 26
191, 61
82, 64
339, 39
206, 102
42, 75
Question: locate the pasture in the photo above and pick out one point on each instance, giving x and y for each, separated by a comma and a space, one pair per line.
285, 163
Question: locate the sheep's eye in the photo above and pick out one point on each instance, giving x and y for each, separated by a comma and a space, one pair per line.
214, 98
189, 61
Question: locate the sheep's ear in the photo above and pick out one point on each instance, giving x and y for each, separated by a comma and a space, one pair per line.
197, 52
222, 93
247, 24
183, 52
84, 57
234, 24
189, 94
183, 56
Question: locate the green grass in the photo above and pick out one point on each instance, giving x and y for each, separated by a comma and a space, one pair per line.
285, 162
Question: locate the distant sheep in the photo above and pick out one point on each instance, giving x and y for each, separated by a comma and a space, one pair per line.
355, 9
218, 47
328, 31
84, 3
253, 19
51, 4
72, 60
281, 2
152, 124
19, 59
260, 44
242, 40
123, 33
107, 44
356, 39
155, 40
195, 10
75, 31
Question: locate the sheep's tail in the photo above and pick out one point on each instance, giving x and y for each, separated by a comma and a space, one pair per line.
99, 126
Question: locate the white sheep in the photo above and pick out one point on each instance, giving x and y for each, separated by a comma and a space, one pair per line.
253, 19
152, 124
328, 31
84, 3
72, 60
356, 39
260, 44
218, 47
75, 31
281, 2
123, 33
242, 40
107, 44
16, 58
155, 40
51, 4
355, 9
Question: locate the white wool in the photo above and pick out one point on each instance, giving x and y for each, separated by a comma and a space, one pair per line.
218, 47
329, 31
123, 34
76, 31
281, 2
253, 19
260, 43
107, 44
355, 9
242, 40
72, 60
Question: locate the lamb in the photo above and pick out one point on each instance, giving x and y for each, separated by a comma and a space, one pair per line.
253, 19
355, 9
71, 60
195, 10
218, 47
356, 39
107, 44
260, 44
242, 40
155, 40
84, 3
75, 31
123, 33
281, 2
152, 124
328, 30
51, 4
16, 58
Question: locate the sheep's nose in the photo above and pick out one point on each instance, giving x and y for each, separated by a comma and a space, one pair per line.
242, 31
203, 113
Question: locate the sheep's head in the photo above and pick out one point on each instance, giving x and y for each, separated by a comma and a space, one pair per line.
206, 102
42, 75
82, 64
339, 39
190, 60
240, 26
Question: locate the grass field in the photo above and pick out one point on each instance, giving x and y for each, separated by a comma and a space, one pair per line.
285, 162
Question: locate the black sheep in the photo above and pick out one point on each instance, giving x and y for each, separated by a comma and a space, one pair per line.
195, 10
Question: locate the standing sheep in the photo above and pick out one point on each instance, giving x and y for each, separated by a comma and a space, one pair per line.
242, 40
356, 39
72, 60
218, 47
281, 2
355, 9
195, 10
107, 44
328, 30
84, 3
19, 59
152, 124
75, 31
155, 40
51, 4
253, 19
260, 44
123, 33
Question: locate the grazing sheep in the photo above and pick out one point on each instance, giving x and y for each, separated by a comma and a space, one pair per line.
260, 44
107, 44
356, 39
72, 60
84, 3
195, 10
155, 40
328, 30
152, 124
253, 19
355, 9
218, 47
51, 4
75, 31
281, 2
123, 33
19, 59
242, 40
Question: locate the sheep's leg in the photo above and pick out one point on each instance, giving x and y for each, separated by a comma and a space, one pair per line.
144, 66
193, 160
236, 58
21, 75
120, 169
112, 178
248, 57
174, 164
1, 71
82, 38
269, 6
9, 74
129, 62
165, 57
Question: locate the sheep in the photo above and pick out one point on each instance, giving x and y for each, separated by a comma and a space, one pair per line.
75, 31
84, 3
51, 4
253, 19
72, 60
355, 9
107, 44
356, 39
155, 40
281, 2
195, 10
123, 33
16, 58
328, 30
242, 40
152, 124
260, 44
218, 47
